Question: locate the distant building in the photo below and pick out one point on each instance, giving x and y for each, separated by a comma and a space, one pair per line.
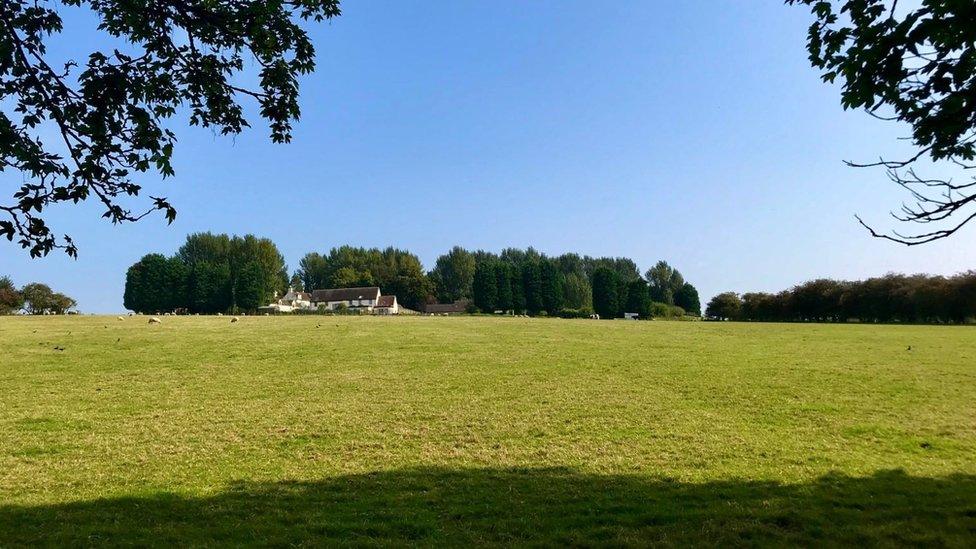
458, 307
289, 302
362, 299
387, 305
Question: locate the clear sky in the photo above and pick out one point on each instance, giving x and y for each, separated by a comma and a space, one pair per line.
694, 132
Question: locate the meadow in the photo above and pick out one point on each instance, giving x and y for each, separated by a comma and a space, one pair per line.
457, 431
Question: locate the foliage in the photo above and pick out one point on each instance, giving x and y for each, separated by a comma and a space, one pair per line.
532, 287
210, 273
606, 284
891, 298
11, 300
550, 287
485, 286
577, 292
453, 275
638, 299
687, 298
109, 116
665, 282
155, 284
575, 313
663, 310
913, 63
395, 271
724, 306
41, 299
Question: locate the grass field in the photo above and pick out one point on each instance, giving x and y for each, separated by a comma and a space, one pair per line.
312, 430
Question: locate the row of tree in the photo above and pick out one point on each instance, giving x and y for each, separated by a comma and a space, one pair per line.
531, 282
219, 273
34, 298
209, 274
890, 298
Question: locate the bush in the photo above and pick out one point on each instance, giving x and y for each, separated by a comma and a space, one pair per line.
663, 310
575, 313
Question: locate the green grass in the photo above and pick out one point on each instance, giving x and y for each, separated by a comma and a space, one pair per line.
312, 430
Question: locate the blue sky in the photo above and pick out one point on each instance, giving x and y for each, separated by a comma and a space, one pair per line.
694, 132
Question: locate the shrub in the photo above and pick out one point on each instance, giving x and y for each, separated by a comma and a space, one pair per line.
575, 313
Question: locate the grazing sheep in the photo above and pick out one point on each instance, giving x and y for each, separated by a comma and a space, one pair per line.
220, 314
154, 320
235, 319
121, 318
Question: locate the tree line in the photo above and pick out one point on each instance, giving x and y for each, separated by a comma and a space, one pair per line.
891, 298
515, 280
210, 273
33, 298
214, 273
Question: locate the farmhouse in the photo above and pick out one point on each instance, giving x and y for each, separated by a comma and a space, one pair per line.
363, 299
387, 305
366, 300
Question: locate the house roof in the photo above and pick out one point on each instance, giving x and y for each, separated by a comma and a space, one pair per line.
304, 296
345, 294
386, 301
458, 306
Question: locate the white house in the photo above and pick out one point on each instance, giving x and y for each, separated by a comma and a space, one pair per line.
387, 305
354, 298
289, 302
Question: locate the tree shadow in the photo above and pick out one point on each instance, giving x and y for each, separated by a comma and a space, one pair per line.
519, 506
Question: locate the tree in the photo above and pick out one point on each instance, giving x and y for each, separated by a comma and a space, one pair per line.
577, 292
532, 287
38, 298
503, 278
60, 304
454, 274
551, 287
155, 284
313, 270
638, 299
665, 281
295, 283
724, 306
687, 298
913, 63
485, 286
11, 300
606, 282
250, 287
209, 287
109, 114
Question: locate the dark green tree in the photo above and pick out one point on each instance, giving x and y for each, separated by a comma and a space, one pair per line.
453, 275
551, 283
250, 287
503, 282
724, 306
532, 287
687, 299
155, 284
209, 287
485, 286
606, 285
638, 299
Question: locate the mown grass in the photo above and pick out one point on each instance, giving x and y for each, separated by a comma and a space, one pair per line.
386, 431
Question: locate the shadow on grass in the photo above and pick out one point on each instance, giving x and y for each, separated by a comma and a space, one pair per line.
534, 506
